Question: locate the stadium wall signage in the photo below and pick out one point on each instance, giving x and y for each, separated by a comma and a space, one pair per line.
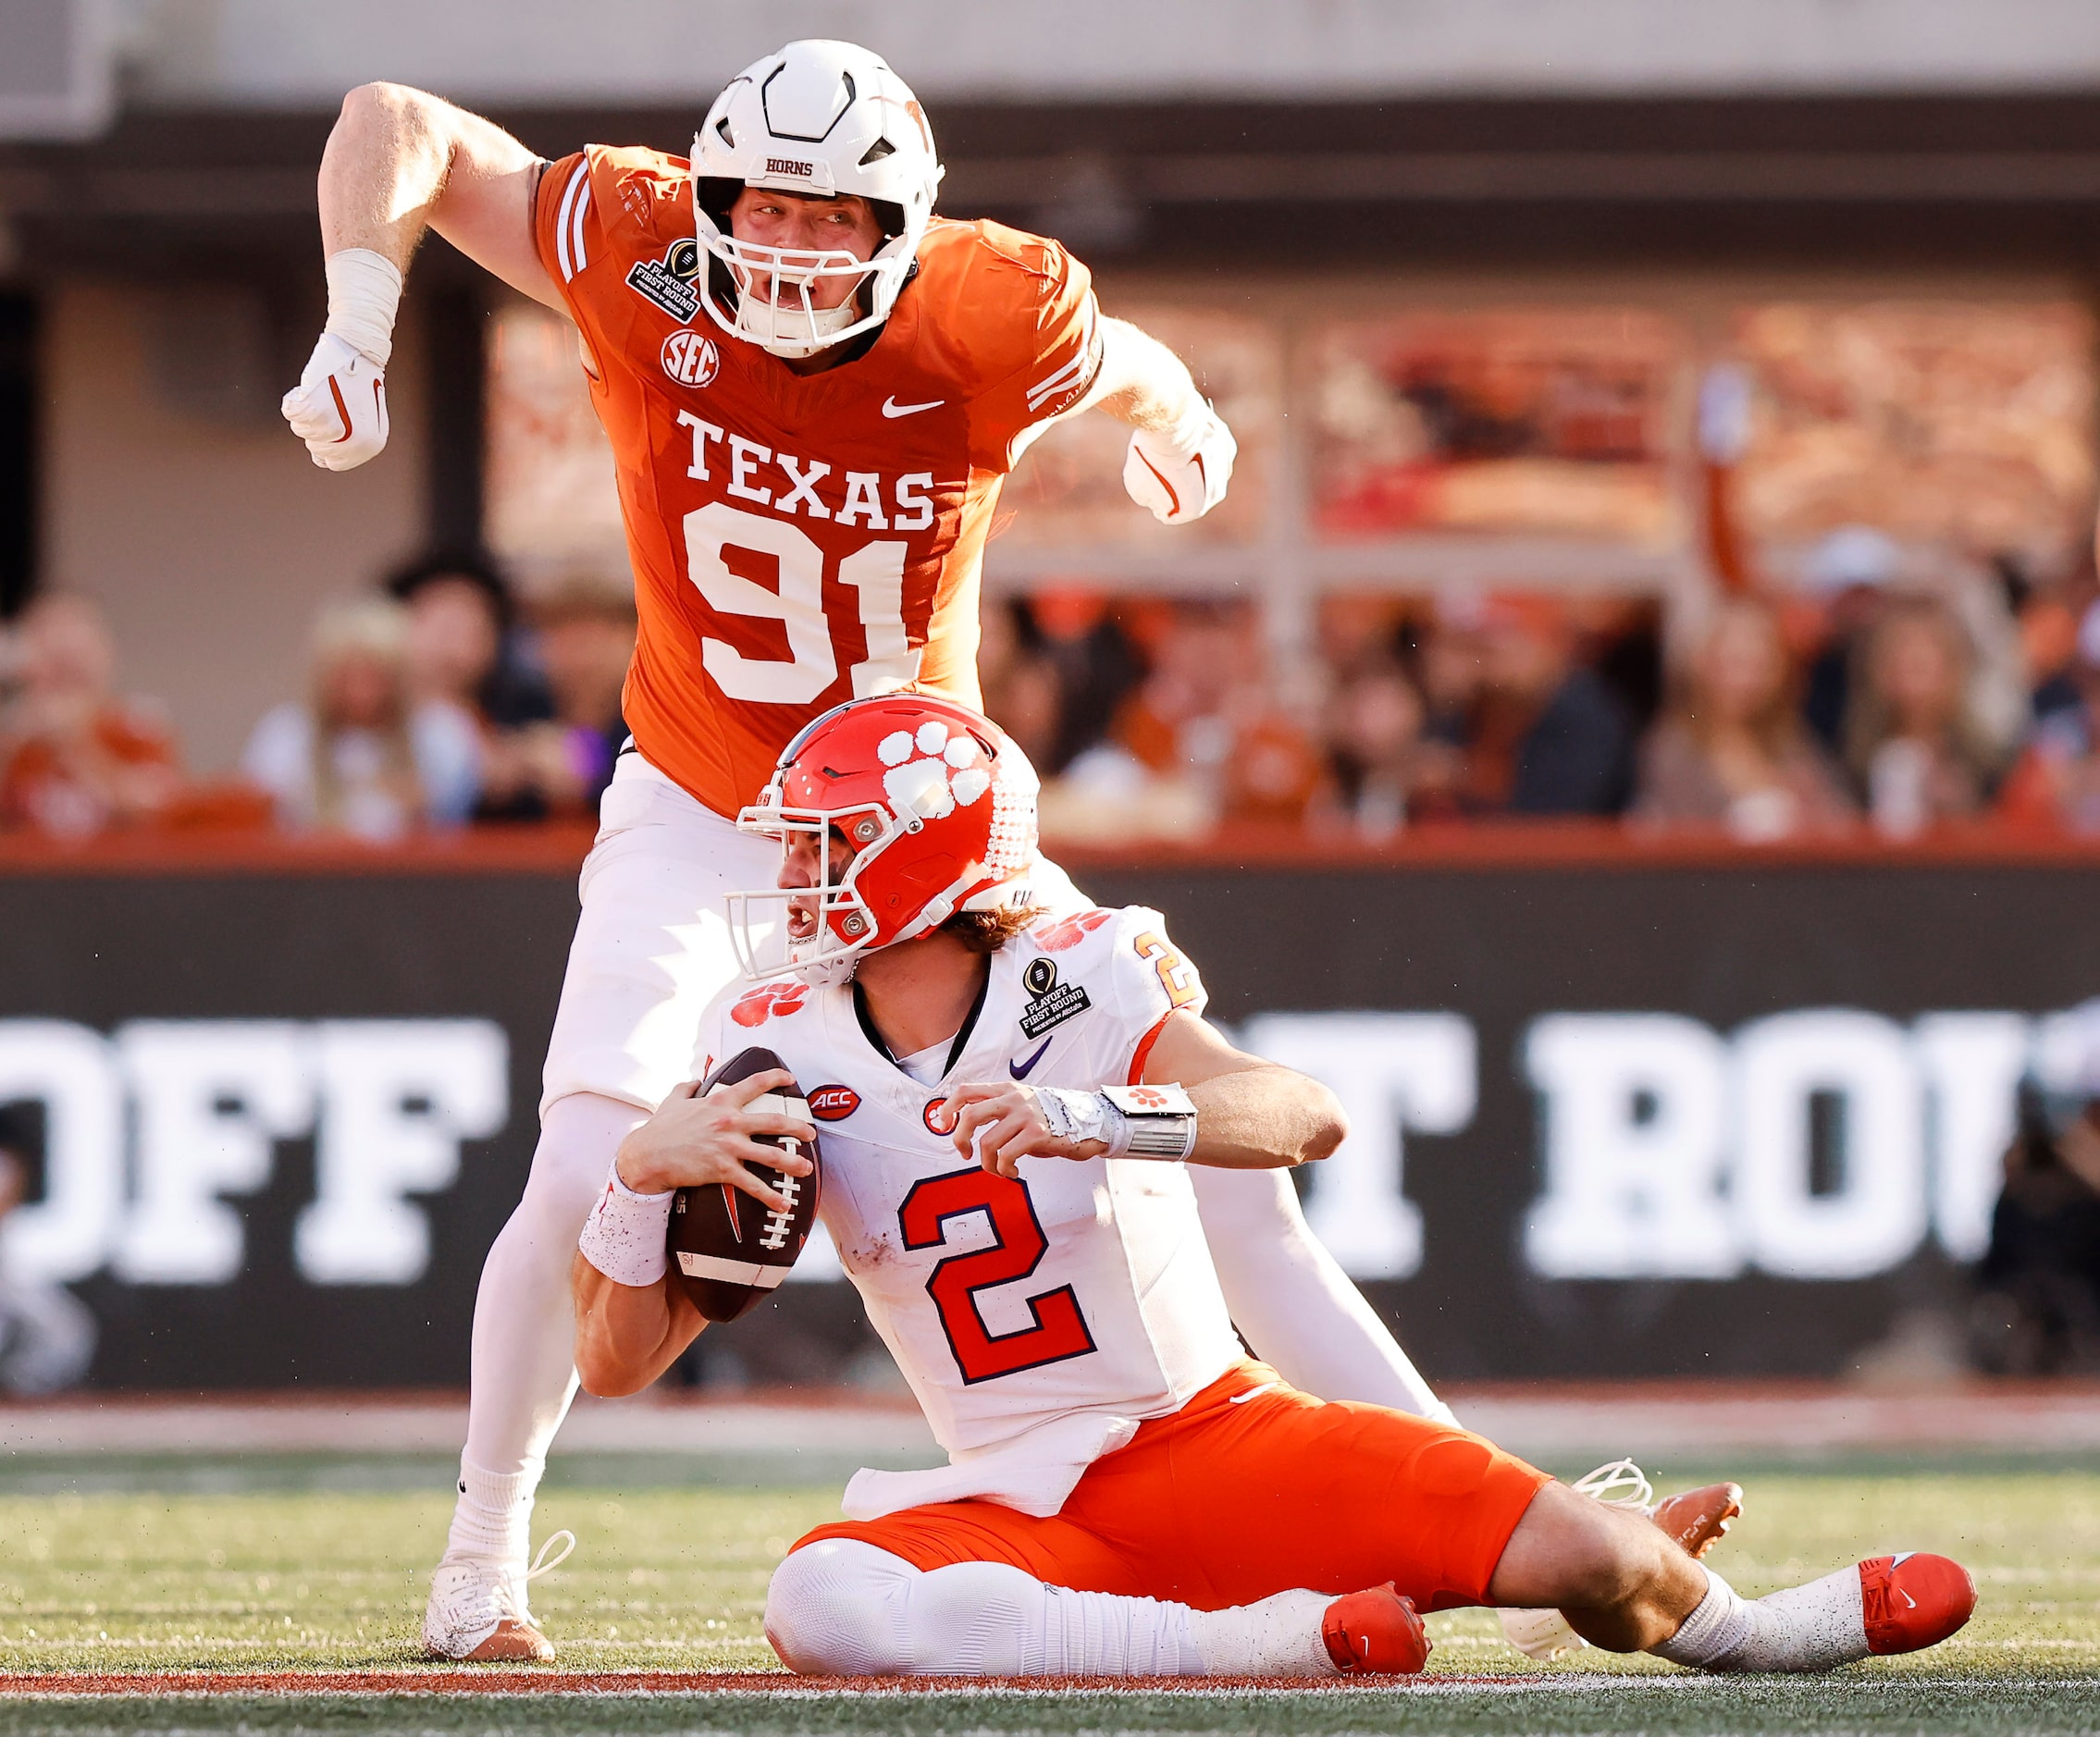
1605, 1120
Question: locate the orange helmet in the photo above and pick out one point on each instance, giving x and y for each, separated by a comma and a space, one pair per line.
920, 808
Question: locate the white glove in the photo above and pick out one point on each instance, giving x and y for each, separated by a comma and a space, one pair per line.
339, 408
1179, 474
339, 405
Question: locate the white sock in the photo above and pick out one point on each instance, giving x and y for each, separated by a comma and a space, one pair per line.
1815, 1627
1279, 1636
847, 1608
493, 1517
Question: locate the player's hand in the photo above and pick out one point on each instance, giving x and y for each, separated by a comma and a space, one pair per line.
339, 408
1181, 474
999, 1123
693, 1141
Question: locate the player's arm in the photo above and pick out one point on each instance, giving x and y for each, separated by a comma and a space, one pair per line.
1181, 456
1248, 1113
399, 162
632, 1321
627, 1334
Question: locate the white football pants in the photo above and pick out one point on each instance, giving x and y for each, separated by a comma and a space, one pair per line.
651, 950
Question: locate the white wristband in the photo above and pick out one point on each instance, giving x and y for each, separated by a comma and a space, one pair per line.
626, 1235
364, 290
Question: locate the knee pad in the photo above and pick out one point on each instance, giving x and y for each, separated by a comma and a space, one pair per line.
836, 1608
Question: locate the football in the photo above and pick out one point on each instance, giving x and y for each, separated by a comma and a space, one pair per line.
728, 1247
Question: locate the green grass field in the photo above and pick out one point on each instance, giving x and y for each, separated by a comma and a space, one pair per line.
287, 1569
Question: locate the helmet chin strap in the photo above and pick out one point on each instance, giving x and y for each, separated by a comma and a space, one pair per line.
753, 316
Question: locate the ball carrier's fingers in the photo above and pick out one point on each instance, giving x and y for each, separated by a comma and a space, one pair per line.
695, 1141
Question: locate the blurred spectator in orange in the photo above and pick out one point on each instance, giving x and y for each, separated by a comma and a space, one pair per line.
1732, 749
361, 756
1374, 725
1206, 712
462, 648
1913, 746
1564, 735
1201, 740
585, 637
75, 758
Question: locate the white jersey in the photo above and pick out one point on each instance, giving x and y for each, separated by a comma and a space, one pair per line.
1083, 1290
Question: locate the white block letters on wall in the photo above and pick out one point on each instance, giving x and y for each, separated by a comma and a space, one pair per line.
1633, 1136
389, 1101
1391, 1071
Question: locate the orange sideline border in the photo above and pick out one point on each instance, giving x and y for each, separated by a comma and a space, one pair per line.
1536, 845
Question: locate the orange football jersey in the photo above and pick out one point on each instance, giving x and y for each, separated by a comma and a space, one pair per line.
799, 541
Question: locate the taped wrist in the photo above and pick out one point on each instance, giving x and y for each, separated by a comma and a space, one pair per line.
626, 1234
364, 290
1133, 1121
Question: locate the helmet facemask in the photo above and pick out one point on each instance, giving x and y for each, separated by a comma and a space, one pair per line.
835, 923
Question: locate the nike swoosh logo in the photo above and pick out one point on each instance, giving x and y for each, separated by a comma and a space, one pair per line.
1254, 1393
1021, 1070
891, 408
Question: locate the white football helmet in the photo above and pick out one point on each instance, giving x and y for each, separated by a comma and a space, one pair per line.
820, 118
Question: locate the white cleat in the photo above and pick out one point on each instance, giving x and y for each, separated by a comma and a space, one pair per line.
478, 1609
1696, 1521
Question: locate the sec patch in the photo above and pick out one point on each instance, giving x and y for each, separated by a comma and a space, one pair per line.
690, 358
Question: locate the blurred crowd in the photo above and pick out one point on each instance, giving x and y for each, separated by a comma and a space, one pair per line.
1872, 693
437, 701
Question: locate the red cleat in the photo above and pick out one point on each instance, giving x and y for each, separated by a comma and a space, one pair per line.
1698, 1520
1376, 1633
1912, 1601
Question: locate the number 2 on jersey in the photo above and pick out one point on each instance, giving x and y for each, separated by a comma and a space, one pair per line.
876, 571
1059, 1330
1176, 977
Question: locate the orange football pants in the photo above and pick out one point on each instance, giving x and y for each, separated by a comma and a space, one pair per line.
1249, 1489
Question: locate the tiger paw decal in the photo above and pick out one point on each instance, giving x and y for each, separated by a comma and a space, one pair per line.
932, 772
768, 999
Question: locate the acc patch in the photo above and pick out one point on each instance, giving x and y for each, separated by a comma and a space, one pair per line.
690, 358
834, 1103
938, 1118
668, 282
1050, 1003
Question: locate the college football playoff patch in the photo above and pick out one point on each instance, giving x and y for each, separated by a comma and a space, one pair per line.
668, 282
1050, 1003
